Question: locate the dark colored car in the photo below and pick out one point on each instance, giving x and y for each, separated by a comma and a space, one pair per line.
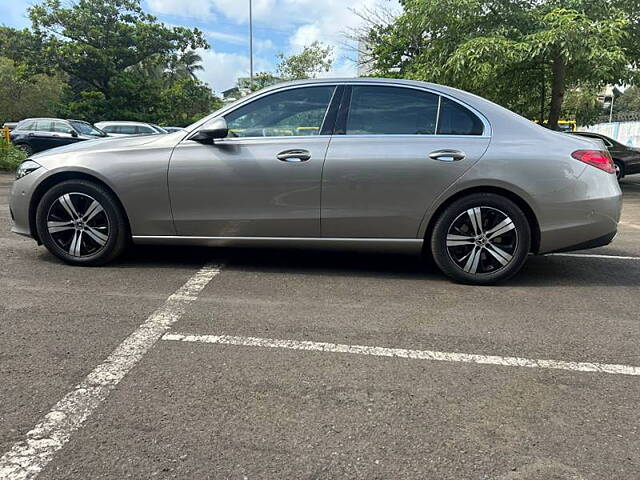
37, 134
626, 159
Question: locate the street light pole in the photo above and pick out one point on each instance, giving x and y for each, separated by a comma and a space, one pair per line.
250, 46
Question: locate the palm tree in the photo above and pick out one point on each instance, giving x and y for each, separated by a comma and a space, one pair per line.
184, 66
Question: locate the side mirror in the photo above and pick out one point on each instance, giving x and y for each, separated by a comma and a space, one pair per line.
217, 128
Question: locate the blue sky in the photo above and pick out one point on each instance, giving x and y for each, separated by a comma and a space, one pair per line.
279, 26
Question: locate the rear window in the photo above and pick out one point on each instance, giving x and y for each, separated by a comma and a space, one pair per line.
457, 120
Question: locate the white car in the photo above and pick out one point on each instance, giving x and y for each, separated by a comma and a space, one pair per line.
123, 129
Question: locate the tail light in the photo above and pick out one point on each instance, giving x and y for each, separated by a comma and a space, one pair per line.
596, 158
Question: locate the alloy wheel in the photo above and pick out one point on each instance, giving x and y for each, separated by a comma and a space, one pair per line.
78, 224
482, 240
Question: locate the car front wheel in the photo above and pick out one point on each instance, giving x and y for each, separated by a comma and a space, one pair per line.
81, 223
481, 239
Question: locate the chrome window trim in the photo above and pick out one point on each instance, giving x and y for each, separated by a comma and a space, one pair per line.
487, 131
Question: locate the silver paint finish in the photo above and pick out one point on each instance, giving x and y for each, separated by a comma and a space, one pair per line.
239, 187
375, 187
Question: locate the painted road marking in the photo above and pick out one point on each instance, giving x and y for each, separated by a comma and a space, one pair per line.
632, 225
28, 457
404, 353
592, 255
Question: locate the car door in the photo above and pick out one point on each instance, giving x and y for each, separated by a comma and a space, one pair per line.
42, 137
263, 180
396, 149
62, 134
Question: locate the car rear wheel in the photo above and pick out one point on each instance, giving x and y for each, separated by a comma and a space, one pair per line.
619, 169
81, 223
481, 239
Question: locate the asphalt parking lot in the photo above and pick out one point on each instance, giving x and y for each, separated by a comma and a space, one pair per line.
213, 363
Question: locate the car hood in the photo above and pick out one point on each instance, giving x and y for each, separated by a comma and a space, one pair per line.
99, 144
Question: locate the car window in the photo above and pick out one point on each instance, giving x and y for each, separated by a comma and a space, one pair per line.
87, 129
379, 110
127, 129
143, 129
457, 120
26, 125
44, 125
110, 129
295, 112
61, 127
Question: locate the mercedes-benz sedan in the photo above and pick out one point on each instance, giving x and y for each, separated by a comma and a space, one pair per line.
384, 164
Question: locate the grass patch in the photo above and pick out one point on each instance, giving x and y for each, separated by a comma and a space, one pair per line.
10, 157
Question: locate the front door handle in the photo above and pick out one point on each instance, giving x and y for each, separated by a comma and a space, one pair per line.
294, 156
447, 155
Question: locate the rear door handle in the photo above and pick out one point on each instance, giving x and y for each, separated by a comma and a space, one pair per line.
294, 156
447, 155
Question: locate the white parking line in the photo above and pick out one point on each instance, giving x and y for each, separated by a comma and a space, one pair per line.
593, 255
632, 225
403, 353
28, 457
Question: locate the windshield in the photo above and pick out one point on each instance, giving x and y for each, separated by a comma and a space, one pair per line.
87, 129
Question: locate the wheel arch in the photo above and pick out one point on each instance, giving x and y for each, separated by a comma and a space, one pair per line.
515, 198
59, 177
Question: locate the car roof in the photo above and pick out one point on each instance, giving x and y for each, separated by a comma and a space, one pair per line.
124, 122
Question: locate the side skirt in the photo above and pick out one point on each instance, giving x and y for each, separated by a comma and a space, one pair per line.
407, 245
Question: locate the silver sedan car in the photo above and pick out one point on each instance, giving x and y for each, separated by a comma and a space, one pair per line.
374, 163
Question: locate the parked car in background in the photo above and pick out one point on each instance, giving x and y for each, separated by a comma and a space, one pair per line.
380, 163
626, 159
174, 129
9, 125
37, 134
122, 129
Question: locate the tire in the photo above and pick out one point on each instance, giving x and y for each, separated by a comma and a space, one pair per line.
90, 231
482, 258
619, 169
25, 148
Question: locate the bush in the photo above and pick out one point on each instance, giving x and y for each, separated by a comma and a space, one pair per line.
10, 156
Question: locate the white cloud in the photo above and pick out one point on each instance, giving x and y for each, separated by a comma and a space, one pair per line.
182, 8
221, 70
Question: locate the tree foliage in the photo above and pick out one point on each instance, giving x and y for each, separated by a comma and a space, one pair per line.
119, 62
23, 94
314, 59
524, 54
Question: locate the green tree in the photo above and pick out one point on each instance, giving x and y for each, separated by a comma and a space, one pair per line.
523, 54
314, 59
23, 95
98, 41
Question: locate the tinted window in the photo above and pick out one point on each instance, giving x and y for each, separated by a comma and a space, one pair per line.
87, 129
295, 112
61, 127
44, 125
27, 125
391, 111
127, 129
110, 129
457, 120
141, 129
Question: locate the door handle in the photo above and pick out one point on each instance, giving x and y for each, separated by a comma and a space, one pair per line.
294, 156
447, 155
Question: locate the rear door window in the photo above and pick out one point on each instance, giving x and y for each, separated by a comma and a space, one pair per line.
380, 110
44, 125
